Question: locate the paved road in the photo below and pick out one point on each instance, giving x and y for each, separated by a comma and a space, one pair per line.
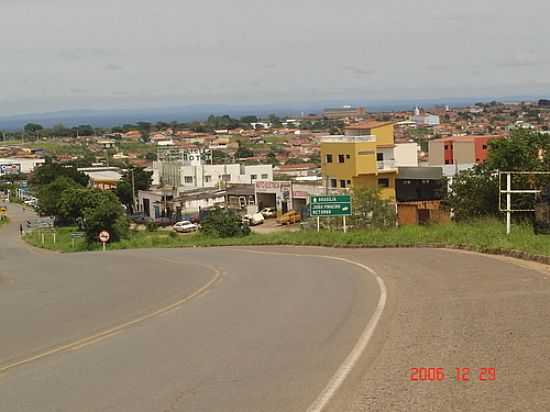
266, 329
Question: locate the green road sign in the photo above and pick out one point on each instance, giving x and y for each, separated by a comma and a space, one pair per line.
330, 205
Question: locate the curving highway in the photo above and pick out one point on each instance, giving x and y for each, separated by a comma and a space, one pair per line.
268, 329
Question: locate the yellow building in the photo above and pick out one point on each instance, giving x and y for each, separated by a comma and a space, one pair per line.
363, 157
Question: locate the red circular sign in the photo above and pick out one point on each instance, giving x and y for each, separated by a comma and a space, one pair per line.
104, 236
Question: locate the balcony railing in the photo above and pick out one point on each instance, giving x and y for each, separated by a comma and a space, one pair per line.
385, 164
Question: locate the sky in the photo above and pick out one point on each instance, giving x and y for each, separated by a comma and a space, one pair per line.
103, 54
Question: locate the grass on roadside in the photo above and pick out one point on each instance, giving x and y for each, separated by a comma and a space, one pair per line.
481, 235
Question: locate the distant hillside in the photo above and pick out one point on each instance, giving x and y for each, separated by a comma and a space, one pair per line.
109, 118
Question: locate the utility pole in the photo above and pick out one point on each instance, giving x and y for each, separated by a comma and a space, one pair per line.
133, 190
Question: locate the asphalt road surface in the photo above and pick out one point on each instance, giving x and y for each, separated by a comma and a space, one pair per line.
269, 329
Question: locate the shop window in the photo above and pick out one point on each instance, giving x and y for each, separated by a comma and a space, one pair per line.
383, 182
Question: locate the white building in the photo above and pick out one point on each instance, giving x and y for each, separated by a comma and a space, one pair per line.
426, 120
26, 165
102, 177
186, 175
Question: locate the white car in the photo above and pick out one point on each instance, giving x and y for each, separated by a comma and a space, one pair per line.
185, 227
269, 212
31, 202
253, 220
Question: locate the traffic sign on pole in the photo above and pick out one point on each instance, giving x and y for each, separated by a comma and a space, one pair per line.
330, 205
104, 237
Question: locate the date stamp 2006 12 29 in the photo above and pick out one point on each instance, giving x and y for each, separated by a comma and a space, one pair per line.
458, 375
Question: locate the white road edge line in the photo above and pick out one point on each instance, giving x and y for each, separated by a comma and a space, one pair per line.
351, 360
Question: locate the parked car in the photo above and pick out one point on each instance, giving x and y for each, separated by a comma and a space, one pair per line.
254, 219
289, 218
165, 221
31, 202
139, 218
269, 212
185, 226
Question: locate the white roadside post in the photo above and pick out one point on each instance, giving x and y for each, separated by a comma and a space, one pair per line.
318, 224
508, 203
345, 226
509, 192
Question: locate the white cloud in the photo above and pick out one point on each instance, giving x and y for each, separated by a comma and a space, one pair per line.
245, 50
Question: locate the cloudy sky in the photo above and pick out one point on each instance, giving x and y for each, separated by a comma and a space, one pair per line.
74, 54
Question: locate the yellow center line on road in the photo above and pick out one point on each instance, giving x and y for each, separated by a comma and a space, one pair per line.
92, 342
97, 337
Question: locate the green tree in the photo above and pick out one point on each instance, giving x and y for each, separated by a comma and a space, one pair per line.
32, 128
272, 158
243, 152
142, 180
50, 171
474, 193
124, 192
521, 151
84, 130
246, 120
72, 202
151, 156
219, 156
224, 223
370, 210
106, 214
50, 195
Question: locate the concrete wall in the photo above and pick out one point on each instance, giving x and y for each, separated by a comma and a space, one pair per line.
371, 182
406, 154
436, 153
384, 135
464, 152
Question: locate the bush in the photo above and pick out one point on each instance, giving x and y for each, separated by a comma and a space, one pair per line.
151, 226
224, 223
107, 214
369, 210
